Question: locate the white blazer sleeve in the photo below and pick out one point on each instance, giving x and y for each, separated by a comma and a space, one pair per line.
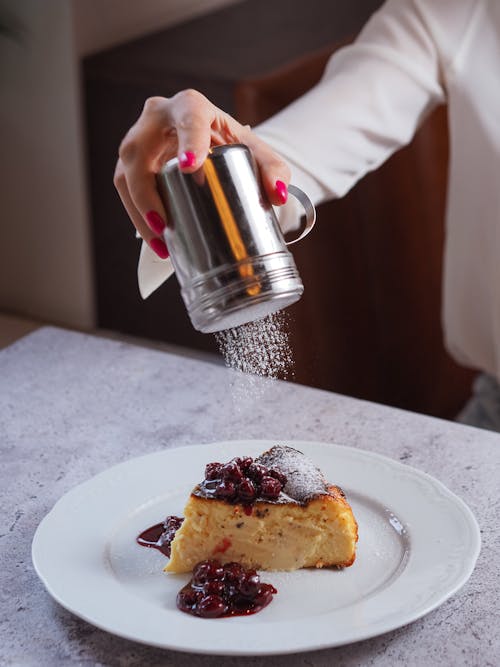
371, 99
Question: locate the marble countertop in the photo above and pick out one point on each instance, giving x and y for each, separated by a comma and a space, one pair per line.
72, 405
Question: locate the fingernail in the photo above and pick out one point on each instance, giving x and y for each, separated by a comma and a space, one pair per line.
282, 191
159, 247
155, 222
187, 159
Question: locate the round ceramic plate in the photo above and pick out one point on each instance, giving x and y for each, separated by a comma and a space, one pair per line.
418, 544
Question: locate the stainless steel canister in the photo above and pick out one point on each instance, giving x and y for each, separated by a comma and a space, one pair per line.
230, 257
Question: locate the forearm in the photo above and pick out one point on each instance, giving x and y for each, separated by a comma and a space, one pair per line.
373, 96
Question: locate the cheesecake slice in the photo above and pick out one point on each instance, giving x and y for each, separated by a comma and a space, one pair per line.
276, 512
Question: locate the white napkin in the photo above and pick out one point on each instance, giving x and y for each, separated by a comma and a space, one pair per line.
152, 271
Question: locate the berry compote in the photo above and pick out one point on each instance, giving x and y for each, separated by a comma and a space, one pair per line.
217, 589
160, 535
242, 480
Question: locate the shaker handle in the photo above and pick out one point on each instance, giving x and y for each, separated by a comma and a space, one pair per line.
308, 208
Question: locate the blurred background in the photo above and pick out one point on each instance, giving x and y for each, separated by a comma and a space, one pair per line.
74, 76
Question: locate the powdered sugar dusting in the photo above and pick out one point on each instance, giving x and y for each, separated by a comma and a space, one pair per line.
304, 480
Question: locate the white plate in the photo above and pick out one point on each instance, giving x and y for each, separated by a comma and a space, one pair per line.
418, 544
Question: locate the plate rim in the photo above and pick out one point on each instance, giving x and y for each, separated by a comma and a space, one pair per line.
372, 630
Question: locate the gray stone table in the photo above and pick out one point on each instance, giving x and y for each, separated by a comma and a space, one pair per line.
72, 405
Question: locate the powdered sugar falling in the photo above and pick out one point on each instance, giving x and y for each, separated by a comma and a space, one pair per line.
260, 348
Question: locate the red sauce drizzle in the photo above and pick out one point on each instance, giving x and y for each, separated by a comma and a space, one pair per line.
160, 535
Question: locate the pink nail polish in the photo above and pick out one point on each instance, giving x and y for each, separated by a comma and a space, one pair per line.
159, 247
155, 222
282, 191
187, 159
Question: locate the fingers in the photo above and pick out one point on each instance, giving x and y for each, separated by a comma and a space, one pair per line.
141, 185
147, 145
166, 127
149, 225
192, 115
274, 172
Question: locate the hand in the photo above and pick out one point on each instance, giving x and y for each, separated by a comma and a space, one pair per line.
186, 126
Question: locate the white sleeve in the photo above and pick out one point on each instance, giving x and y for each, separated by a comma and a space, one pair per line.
371, 99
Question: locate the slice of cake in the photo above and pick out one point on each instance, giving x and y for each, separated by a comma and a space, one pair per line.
276, 512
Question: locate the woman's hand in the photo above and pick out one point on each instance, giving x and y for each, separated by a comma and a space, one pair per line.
186, 126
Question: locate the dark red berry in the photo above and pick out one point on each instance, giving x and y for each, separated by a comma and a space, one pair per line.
244, 462
214, 587
246, 490
225, 490
231, 471
186, 598
212, 471
250, 584
277, 474
270, 488
233, 573
211, 606
256, 471
207, 570
264, 595
241, 603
